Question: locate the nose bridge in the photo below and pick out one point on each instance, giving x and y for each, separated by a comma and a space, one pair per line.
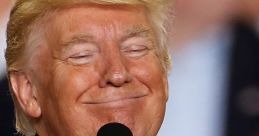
115, 62
116, 73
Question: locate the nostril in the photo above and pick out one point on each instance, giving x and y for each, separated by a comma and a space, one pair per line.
115, 73
116, 79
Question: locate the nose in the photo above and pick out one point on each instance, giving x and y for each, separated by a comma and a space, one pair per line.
116, 73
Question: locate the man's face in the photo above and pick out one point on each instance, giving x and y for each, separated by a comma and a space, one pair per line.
99, 65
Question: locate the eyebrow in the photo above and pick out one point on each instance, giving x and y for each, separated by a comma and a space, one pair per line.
138, 31
77, 39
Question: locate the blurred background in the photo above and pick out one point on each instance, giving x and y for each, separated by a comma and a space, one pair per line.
214, 82
6, 105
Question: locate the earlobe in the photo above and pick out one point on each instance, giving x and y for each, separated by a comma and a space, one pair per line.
25, 94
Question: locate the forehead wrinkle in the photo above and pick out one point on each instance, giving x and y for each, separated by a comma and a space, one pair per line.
110, 31
58, 28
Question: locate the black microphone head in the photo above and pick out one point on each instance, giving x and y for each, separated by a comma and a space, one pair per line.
114, 129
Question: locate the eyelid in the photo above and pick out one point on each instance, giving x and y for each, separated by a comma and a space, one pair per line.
135, 42
136, 47
79, 54
76, 48
81, 58
82, 53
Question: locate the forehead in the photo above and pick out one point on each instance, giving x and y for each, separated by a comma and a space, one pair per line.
85, 18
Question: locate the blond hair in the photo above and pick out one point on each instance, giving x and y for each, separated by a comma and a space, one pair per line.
25, 13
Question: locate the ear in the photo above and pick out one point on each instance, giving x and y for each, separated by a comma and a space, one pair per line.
25, 94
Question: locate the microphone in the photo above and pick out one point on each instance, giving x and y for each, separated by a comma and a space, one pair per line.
114, 129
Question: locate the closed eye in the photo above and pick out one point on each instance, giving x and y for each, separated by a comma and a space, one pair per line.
80, 53
81, 58
136, 47
136, 50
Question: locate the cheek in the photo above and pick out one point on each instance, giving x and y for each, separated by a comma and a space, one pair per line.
150, 73
153, 111
72, 81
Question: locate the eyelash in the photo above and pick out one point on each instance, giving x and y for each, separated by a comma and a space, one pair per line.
136, 50
80, 56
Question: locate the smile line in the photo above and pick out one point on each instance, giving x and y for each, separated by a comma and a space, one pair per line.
117, 100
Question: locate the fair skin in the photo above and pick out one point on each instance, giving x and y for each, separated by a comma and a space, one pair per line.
98, 64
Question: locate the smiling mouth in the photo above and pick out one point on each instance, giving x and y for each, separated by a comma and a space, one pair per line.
116, 100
